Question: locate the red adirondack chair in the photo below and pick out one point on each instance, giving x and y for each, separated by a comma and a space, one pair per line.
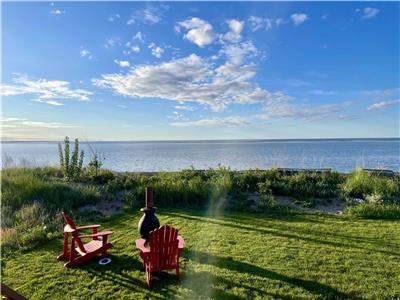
162, 252
83, 252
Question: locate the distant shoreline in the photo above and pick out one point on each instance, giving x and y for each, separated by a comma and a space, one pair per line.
223, 140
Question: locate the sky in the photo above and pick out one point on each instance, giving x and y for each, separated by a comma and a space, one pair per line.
196, 70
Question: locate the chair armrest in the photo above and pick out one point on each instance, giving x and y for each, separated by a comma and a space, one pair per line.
181, 242
88, 226
140, 245
103, 233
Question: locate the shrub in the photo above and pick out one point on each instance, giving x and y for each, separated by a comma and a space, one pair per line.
31, 215
267, 200
220, 187
171, 189
130, 200
375, 211
100, 177
23, 187
305, 185
95, 164
70, 166
7, 216
247, 181
31, 226
361, 184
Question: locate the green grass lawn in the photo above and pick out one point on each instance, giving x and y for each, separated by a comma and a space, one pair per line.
234, 256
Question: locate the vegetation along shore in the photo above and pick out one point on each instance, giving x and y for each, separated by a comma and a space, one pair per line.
309, 231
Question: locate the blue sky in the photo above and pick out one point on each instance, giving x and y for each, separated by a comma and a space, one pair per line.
193, 70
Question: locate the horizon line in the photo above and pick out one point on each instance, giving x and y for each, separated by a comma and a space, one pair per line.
204, 140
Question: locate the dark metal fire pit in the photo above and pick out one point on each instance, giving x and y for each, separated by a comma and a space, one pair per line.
149, 220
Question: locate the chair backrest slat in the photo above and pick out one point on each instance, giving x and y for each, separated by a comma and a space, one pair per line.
163, 247
74, 232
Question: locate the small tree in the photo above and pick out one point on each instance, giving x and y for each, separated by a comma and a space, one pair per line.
95, 164
70, 166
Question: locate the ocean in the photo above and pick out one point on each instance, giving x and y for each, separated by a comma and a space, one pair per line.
343, 155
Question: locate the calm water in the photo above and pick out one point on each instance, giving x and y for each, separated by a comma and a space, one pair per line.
340, 155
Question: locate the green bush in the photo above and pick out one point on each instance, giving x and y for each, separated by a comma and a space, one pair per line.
7, 216
31, 226
361, 184
100, 176
130, 200
247, 181
31, 215
375, 211
267, 200
174, 189
314, 185
71, 166
25, 186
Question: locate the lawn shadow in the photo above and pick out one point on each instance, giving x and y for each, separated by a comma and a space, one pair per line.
301, 235
116, 271
127, 272
314, 287
205, 285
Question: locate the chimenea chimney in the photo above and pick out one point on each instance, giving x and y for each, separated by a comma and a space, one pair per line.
149, 220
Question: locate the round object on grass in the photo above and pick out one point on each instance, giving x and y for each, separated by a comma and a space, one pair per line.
104, 261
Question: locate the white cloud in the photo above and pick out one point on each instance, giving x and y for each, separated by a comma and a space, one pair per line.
237, 53
139, 36
370, 12
152, 14
318, 92
199, 32
190, 79
112, 42
122, 63
279, 22
86, 53
57, 12
122, 106
285, 109
298, 19
155, 50
234, 34
228, 121
184, 107
25, 123
132, 48
324, 16
135, 49
383, 93
383, 104
257, 23
50, 102
176, 116
47, 91
114, 17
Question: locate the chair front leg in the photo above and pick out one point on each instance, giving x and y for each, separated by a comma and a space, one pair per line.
72, 252
94, 231
104, 252
148, 275
65, 254
177, 270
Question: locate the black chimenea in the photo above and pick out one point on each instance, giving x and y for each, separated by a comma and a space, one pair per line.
149, 220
